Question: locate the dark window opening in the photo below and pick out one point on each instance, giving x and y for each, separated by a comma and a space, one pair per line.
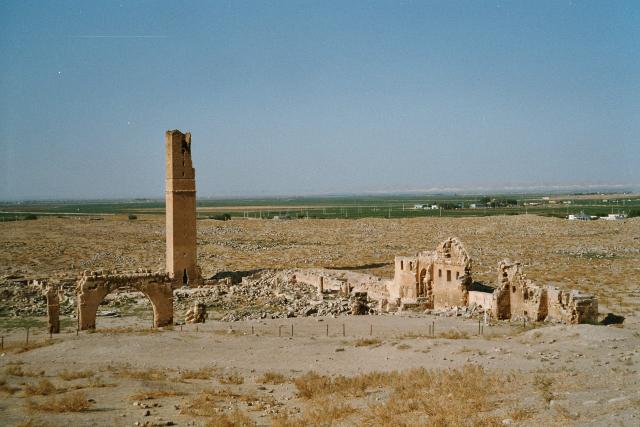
185, 278
448, 275
439, 272
401, 265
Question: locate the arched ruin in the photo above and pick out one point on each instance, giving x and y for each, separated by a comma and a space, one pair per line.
93, 287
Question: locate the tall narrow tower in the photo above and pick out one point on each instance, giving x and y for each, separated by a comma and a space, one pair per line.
181, 209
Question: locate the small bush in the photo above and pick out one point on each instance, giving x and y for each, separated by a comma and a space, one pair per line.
272, 378
232, 378
200, 374
30, 217
132, 217
69, 375
235, 419
43, 387
73, 402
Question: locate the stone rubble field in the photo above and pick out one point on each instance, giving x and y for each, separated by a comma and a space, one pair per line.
272, 353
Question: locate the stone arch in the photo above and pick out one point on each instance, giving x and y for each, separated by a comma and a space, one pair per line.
93, 287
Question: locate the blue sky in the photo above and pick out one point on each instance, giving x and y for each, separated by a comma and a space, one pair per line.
309, 97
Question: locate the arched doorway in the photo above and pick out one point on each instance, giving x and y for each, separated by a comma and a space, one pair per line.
92, 288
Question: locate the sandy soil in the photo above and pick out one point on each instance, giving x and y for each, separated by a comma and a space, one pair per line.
593, 370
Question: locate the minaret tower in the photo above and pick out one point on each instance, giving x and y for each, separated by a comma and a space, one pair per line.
181, 209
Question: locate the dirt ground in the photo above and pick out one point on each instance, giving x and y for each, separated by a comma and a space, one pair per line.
362, 370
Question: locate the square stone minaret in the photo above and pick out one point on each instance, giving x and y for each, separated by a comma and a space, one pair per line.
181, 209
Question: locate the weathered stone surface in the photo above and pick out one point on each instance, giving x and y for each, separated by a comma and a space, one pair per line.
442, 279
181, 210
92, 287
197, 314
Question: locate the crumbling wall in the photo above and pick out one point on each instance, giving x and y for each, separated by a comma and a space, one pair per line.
52, 294
571, 306
517, 296
481, 299
451, 275
404, 285
93, 286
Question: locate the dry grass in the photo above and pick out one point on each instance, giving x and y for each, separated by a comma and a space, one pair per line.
236, 418
231, 378
149, 374
74, 375
17, 371
43, 387
521, 414
6, 388
199, 374
72, 402
322, 413
272, 378
454, 334
21, 347
231, 246
457, 397
543, 384
155, 394
364, 342
212, 402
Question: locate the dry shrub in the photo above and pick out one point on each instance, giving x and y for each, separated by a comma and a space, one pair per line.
43, 387
17, 371
521, 414
454, 334
74, 375
321, 413
199, 374
150, 374
154, 394
73, 402
364, 342
232, 378
6, 388
543, 384
235, 419
272, 378
205, 404
96, 382
457, 397
403, 347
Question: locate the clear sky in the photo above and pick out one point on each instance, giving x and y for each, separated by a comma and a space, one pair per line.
307, 97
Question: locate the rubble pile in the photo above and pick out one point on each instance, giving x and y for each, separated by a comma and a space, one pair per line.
21, 298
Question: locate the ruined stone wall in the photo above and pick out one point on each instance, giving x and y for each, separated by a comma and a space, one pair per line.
404, 279
571, 306
451, 275
92, 287
517, 296
181, 209
482, 300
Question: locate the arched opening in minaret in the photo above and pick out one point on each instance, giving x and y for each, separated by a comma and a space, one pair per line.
185, 278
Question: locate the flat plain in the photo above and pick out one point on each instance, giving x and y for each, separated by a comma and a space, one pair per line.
382, 370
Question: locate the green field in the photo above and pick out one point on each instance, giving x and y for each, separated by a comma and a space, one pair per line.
391, 206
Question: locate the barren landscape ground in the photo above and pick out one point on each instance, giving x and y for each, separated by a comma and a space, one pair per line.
383, 370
